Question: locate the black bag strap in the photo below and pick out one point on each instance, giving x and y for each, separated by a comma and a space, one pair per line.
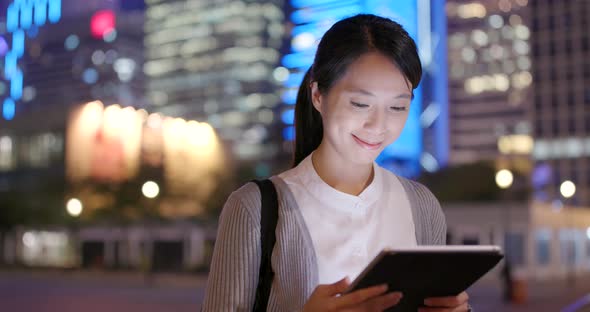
269, 214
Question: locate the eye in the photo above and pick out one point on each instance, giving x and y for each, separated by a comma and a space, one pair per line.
399, 108
359, 105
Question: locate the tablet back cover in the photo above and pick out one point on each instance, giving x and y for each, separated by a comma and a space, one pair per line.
428, 274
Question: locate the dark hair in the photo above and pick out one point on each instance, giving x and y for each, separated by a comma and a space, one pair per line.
340, 46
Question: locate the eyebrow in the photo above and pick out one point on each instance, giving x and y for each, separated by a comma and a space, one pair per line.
365, 92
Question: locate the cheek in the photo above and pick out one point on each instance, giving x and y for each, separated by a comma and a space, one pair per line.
397, 124
343, 119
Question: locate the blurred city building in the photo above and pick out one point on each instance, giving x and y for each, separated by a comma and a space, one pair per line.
518, 75
215, 61
490, 82
561, 120
543, 241
88, 54
94, 51
137, 164
162, 247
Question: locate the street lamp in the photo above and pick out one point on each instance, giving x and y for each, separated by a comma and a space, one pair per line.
150, 189
567, 190
504, 179
74, 207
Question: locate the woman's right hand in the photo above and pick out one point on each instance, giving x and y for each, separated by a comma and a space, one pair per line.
330, 298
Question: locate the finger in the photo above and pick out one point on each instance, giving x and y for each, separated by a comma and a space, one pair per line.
359, 296
336, 288
383, 302
447, 301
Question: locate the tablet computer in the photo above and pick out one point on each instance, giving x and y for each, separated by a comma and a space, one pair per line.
427, 271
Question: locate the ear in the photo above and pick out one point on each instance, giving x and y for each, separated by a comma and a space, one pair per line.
316, 96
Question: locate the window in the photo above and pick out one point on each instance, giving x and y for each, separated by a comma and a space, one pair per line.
535, 26
40, 150
553, 74
514, 248
535, 49
7, 153
551, 22
555, 127
567, 246
543, 246
538, 103
539, 128
571, 101
567, 20
568, 45
571, 126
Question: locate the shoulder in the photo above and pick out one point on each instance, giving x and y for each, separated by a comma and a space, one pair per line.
428, 214
414, 190
418, 193
243, 203
247, 198
425, 205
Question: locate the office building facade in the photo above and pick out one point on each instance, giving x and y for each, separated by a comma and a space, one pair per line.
490, 82
560, 114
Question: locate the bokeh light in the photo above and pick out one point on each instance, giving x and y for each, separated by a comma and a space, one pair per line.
567, 189
102, 23
150, 189
74, 207
504, 178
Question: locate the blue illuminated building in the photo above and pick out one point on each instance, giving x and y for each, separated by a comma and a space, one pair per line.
23, 17
423, 145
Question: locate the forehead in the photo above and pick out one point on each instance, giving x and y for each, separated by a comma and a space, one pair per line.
375, 73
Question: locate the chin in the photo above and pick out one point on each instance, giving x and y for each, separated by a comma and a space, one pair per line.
365, 157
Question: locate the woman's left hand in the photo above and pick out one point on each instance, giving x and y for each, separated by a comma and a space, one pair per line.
447, 304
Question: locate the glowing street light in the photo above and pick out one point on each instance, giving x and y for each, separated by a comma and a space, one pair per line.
567, 189
504, 178
74, 207
150, 189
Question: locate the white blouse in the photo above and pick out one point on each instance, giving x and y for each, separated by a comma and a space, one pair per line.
349, 231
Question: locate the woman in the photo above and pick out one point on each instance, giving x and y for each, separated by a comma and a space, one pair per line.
337, 208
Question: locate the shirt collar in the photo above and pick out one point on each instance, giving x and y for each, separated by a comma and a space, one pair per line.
335, 198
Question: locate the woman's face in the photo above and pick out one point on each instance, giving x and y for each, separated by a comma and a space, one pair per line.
365, 110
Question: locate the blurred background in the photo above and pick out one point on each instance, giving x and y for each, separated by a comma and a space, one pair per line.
125, 124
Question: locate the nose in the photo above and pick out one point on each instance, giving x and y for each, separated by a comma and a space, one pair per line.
375, 123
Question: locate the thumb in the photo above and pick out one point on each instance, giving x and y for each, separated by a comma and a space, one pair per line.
338, 287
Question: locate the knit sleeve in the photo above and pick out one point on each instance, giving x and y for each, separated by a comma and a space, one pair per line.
429, 218
233, 276
438, 222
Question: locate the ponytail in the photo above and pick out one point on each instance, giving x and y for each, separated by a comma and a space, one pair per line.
308, 122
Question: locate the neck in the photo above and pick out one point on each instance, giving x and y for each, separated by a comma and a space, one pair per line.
342, 175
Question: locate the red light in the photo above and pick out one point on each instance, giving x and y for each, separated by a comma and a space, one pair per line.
102, 22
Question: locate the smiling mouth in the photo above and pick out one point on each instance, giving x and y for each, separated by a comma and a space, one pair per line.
365, 144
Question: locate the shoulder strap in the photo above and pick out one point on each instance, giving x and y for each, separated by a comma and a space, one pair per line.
269, 215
